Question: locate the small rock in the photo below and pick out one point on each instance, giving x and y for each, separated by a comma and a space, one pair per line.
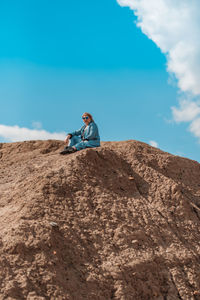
53, 224
134, 241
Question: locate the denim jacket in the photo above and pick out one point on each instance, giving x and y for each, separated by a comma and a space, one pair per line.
89, 133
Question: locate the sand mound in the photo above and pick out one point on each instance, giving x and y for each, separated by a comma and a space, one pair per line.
128, 219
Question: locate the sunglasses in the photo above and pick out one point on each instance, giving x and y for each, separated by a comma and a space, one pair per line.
85, 118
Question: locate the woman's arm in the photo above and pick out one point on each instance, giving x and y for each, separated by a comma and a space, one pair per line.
76, 132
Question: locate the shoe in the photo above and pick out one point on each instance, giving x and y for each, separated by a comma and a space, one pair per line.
68, 150
71, 150
65, 150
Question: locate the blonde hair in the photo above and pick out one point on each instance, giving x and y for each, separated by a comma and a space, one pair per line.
88, 115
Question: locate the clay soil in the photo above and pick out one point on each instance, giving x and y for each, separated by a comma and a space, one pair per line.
127, 223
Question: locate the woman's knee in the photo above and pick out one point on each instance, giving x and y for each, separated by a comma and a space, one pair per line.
74, 140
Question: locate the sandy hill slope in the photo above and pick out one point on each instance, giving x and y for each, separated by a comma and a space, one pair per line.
128, 219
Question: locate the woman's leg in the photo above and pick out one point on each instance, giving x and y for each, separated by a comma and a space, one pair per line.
77, 144
74, 140
87, 144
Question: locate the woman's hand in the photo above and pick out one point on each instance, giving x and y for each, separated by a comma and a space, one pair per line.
67, 138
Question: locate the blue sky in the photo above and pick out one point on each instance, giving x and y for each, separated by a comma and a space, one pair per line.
59, 59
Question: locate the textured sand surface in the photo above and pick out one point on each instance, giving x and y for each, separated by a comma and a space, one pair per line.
128, 220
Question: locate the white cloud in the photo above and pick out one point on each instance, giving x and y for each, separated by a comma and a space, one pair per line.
174, 25
195, 128
153, 144
16, 133
36, 125
187, 111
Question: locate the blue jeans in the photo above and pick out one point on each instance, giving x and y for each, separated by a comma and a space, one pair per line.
77, 142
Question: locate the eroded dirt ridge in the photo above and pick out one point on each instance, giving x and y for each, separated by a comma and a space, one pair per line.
128, 222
